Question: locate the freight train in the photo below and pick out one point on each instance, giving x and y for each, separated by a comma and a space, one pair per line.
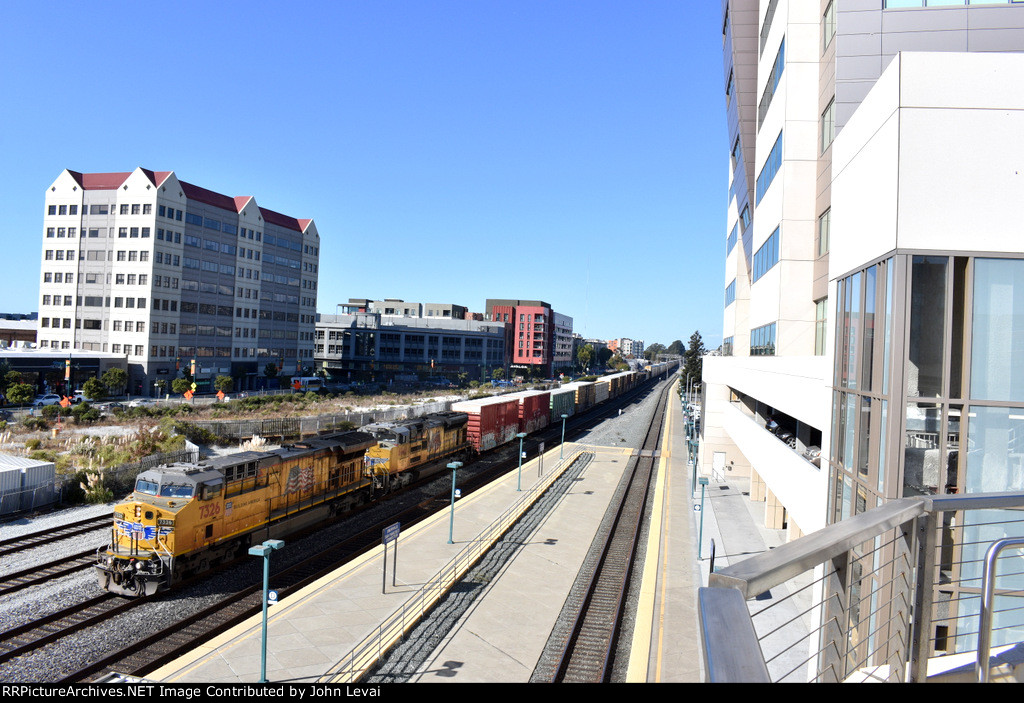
183, 519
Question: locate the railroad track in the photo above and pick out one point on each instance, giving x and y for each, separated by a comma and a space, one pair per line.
592, 637
41, 573
29, 637
56, 534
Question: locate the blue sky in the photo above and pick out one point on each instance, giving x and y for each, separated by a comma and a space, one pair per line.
569, 151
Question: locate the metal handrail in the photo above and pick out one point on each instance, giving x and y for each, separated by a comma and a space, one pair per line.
731, 644
988, 581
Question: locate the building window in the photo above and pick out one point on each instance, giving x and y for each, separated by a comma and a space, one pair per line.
733, 237
824, 226
820, 325
762, 340
773, 83
767, 256
771, 166
730, 294
745, 218
828, 26
766, 26
828, 126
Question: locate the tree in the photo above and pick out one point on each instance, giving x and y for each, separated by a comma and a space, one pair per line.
603, 355
94, 389
676, 348
20, 393
498, 374
584, 355
224, 383
692, 361
180, 385
115, 380
270, 370
652, 352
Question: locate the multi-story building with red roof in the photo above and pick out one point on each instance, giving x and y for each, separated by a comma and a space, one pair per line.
166, 272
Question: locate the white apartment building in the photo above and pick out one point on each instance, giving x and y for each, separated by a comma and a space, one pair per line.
875, 157
631, 347
165, 272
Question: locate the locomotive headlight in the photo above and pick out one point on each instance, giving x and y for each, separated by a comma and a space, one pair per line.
138, 511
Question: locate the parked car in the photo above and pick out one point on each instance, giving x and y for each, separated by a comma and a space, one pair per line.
48, 399
141, 403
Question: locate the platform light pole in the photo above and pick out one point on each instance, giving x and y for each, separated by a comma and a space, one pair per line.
264, 550
519, 479
561, 448
454, 466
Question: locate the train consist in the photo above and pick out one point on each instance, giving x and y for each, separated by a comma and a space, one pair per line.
183, 519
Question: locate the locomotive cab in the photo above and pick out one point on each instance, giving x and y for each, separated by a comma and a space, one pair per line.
140, 557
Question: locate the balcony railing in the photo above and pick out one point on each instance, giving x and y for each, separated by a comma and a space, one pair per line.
893, 594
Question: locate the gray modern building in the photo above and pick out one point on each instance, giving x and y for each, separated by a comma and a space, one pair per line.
166, 272
363, 346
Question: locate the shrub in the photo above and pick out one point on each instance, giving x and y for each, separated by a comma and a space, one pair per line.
33, 444
34, 423
85, 414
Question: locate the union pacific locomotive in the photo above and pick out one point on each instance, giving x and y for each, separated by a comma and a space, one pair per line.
183, 519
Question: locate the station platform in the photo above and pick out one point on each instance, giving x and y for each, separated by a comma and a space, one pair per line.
317, 635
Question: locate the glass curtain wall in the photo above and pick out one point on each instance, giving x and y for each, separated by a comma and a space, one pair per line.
927, 351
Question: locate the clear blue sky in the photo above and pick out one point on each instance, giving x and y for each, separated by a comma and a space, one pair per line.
449, 151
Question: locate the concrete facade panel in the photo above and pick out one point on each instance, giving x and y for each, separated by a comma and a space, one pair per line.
858, 44
958, 197
938, 40
924, 20
1001, 39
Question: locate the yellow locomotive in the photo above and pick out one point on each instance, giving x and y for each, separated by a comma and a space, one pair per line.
406, 446
183, 519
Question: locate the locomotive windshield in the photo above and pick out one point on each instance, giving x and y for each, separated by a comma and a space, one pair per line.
172, 491
167, 490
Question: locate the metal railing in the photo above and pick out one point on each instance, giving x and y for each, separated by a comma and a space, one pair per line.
376, 644
893, 594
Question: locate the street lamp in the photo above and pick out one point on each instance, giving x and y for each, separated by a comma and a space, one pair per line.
561, 448
519, 480
454, 466
264, 550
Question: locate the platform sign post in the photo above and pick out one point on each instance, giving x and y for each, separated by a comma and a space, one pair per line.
519, 477
390, 534
540, 460
454, 466
561, 448
264, 550
700, 534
